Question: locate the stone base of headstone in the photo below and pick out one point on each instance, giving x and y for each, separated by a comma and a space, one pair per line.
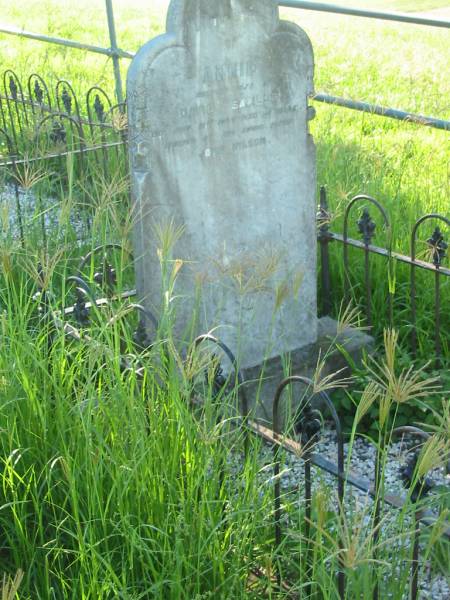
338, 351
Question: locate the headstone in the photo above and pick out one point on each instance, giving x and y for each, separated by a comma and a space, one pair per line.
219, 144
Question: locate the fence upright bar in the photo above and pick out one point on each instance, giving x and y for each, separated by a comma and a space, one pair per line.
323, 223
114, 51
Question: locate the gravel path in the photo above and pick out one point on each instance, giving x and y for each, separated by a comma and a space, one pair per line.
433, 586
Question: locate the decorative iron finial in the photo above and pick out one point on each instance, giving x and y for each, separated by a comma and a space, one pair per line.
41, 295
80, 310
38, 92
216, 377
323, 216
13, 87
438, 247
99, 109
67, 101
308, 424
58, 133
366, 227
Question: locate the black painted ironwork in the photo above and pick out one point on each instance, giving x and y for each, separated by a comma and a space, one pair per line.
438, 250
86, 128
435, 262
67, 101
219, 380
323, 223
366, 227
83, 293
309, 423
438, 247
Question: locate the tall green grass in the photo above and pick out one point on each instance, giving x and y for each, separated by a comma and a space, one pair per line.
114, 485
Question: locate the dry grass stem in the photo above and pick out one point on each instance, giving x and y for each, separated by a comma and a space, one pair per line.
409, 385
27, 174
324, 383
10, 586
369, 396
435, 453
349, 318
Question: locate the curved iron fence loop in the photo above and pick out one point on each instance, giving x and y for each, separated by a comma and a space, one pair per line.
141, 337
83, 294
65, 93
220, 382
105, 247
244, 407
107, 275
14, 96
293, 379
59, 133
38, 93
367, 227
83, 284
147, 315
438, 248
98, 105
418, 224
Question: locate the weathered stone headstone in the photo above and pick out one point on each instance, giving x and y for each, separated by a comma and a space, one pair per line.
219, 144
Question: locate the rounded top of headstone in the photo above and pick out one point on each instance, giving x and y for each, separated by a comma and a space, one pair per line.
187, 14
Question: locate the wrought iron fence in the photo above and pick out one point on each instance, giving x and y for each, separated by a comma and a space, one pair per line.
39, 122
434, 264
54, 130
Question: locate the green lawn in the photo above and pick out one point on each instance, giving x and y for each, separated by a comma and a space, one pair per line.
403, 66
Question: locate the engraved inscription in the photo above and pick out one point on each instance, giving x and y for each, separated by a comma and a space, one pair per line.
223, 110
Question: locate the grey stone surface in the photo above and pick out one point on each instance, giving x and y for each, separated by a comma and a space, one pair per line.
219, 145
262, 381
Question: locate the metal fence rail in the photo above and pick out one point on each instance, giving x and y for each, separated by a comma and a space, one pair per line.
370, 14
116, 53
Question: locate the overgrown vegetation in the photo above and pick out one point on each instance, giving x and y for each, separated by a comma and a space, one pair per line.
113, 482
114, 485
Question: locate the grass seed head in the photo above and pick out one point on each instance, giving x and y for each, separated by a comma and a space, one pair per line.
434, 453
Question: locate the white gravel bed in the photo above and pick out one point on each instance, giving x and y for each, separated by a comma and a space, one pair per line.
433, 586
32, 211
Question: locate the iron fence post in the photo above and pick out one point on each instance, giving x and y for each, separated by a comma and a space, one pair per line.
323, 223
115, 51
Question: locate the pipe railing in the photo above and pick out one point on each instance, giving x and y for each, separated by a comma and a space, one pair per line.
116, 53
369, 14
